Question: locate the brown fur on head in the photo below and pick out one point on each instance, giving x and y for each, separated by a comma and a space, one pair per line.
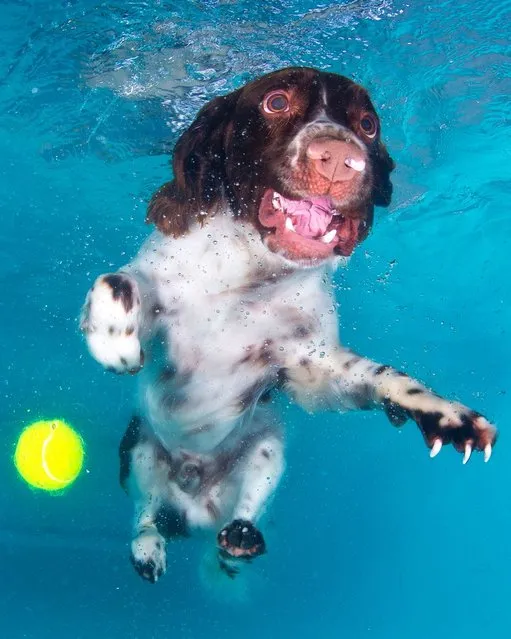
199, 170
239, 149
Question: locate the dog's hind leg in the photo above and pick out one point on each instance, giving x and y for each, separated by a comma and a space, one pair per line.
259, 473
144, 473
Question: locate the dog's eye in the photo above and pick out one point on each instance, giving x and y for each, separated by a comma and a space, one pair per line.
276, 102
369, 124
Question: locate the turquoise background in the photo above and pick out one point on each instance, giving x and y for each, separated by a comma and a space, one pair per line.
368, 537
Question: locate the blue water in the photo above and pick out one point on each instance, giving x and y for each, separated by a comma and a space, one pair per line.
368, 537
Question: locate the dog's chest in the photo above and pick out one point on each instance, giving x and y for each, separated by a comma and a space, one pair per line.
230, 313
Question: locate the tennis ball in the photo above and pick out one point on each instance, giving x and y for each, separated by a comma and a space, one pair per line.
49, 455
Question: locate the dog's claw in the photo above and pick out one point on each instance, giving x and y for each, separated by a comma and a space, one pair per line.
487, 452
468, 452
436, 448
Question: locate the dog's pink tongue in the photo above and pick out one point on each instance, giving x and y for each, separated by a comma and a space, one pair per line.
310, 217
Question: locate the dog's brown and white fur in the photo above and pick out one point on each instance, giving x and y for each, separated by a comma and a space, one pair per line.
230, 300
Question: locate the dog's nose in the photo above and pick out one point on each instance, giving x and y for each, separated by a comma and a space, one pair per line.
336, 160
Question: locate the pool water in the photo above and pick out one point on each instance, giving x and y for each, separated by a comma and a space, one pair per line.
368, 537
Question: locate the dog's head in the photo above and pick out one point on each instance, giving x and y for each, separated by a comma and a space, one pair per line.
297, 153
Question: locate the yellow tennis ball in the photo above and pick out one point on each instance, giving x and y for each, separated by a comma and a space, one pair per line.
49, 455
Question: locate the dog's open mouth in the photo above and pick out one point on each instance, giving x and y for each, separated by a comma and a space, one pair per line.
309, 229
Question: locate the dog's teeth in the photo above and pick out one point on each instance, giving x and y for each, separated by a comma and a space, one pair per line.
356, 165
276, 202
290, 225
328, 237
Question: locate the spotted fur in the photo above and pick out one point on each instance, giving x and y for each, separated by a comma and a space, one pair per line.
213, 321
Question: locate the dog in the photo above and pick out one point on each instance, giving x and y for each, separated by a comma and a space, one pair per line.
230, 301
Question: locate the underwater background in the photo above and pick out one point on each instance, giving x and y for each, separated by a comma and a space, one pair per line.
367, 537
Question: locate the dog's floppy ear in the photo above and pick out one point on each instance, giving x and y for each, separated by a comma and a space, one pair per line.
199, 170
383, 167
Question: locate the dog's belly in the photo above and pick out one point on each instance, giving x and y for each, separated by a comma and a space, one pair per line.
198, 395
207, 413
214, 357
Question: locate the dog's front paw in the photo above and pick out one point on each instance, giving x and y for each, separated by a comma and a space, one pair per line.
241, 539
148, 555
110, 322
444, 422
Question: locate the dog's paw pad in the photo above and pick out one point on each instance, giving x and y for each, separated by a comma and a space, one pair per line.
241, 539
148, 556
